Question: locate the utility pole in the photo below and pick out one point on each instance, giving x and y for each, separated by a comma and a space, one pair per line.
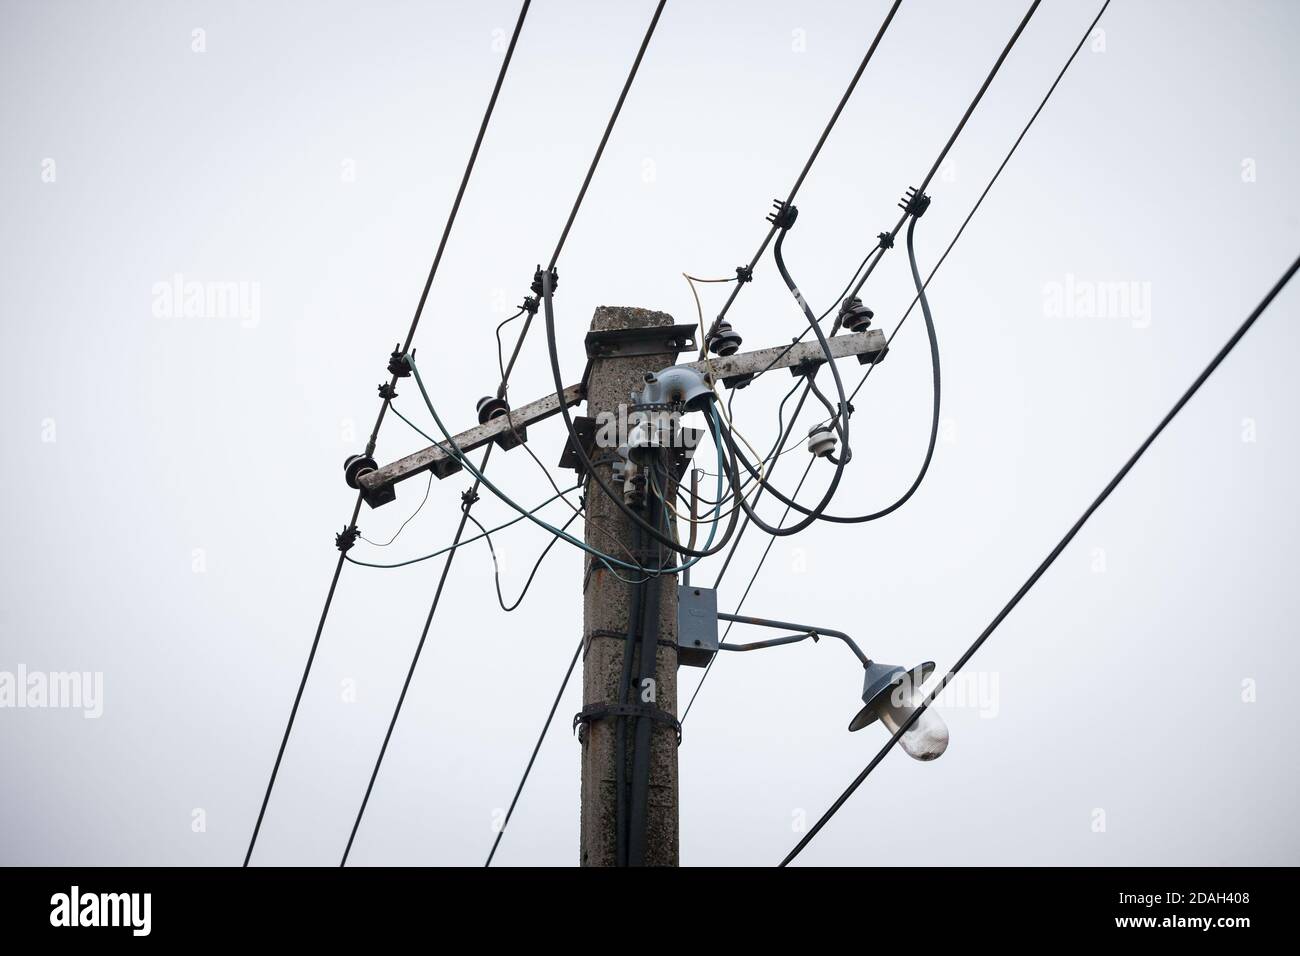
623, 345
607, 607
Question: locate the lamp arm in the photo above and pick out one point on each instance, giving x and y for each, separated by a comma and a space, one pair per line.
807, 632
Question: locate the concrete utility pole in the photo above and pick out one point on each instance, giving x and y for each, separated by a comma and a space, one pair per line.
622, 346
606, 608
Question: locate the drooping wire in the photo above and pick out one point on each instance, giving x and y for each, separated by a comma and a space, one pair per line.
402, 527
1051, 557
936, 378
451, 547
881, 245
744, 594
374, 434
795, 444
496, 567
606, 489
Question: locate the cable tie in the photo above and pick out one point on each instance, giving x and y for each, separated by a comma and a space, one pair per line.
397, 366
783, 215
914, 203
346, 538
537, 282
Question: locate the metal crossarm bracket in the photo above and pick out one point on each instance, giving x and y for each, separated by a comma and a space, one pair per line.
377, 485
865, 345
440, 460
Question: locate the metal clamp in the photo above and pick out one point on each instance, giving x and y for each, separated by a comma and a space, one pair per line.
604, 711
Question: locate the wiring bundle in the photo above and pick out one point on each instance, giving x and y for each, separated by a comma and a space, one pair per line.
742, 475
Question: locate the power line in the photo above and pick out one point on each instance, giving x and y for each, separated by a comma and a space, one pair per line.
917, 298
344, 541
609, 128
771, 540
533, 756
467, 503
978, 202
1052, 556
886, 239
910, 210
496, 569
807, 166
961, 125
479, 479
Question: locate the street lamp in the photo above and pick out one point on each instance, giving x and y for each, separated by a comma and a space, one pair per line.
890, 693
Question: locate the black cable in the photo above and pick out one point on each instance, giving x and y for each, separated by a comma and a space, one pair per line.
842, 424
496, 571
501, 364
635, 622
717, 581
577, 651
638, 822
881, 246
926, 284
803, 174
609, 128
1053, 555
509, 368
934, 423
943, 154
548, 282
374, 434
835, 303
998, 172
402, 527
584, 459
752, 578
302, 684
548, 289
469, 500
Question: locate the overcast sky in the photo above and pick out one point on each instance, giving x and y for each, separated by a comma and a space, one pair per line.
175, 479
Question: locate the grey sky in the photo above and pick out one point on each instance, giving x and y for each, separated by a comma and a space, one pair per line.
175, 481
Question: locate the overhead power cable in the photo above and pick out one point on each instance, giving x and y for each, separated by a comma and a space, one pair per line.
978, 202
467, 503
916, 299
961, 125
816, 151
1051, 557
913, 206
479, 479
591, 170
350, 530
577, 652
885, 240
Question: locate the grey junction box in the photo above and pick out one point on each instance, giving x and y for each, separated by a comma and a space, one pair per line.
697, 625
